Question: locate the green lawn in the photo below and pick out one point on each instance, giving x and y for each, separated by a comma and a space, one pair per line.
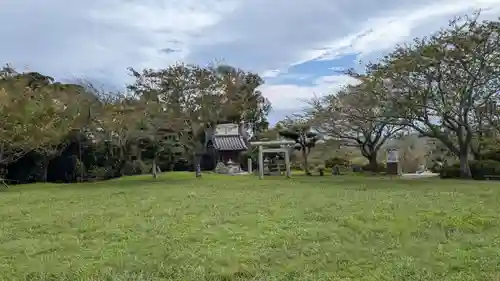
240, 228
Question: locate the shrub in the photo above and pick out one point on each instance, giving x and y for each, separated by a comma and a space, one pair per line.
336, 161
136, 167
493, 155
478, 169
449, 172
99, 173
182, 165
486, 167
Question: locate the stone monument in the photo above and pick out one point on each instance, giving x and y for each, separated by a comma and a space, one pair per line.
393, 164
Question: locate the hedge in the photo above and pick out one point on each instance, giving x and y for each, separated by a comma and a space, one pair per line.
479, 169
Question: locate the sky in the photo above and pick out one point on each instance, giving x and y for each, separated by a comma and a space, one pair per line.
300, 47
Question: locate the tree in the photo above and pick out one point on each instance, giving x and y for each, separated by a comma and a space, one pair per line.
70, 114
157, 127
117, 123
299, 130
193, 97
242, 101
356, 114
437, 84
29, 116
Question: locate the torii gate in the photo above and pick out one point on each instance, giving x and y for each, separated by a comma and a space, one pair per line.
263, 150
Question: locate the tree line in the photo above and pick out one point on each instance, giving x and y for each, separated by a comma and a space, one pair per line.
444, 86
69, 132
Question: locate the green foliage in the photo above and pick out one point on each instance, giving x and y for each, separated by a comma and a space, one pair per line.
493, 154
337, 161
450, 172
135, 167
299, 130
163, 117
479, 169
99, 173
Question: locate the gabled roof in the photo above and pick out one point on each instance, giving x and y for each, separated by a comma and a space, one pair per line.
229, 143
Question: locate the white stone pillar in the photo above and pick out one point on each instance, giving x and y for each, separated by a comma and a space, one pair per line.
249, 163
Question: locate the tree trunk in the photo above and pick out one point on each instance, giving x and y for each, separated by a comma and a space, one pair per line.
80, 159
464, 162
370, 152
373, 162
306, 164
371, 155
155, 169
2, 166
45, 168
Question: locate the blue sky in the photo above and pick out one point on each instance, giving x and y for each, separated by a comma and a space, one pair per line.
299, 46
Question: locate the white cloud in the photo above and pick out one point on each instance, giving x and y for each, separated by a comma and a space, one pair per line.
270, 73
288, 96
400, 25
102, 38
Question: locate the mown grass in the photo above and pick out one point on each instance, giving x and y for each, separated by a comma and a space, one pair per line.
240, 228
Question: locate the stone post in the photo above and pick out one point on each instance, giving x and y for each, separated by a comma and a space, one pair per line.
249, 163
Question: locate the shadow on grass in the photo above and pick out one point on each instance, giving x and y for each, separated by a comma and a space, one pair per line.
347, 182
166, 179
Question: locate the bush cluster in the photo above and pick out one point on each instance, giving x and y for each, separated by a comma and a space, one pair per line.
336, 161
479, 169
135, 167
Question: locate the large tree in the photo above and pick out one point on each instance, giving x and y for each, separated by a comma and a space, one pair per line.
438, 83
157, 126
118, 125
191, 94
70, 112
356, 114
242, 101
33, 117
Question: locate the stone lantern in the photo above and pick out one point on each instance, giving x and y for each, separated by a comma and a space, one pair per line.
232, 167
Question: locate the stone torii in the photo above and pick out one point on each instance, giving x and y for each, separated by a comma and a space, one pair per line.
282, 149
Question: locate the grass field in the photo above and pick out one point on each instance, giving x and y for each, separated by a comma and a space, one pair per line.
240, 228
